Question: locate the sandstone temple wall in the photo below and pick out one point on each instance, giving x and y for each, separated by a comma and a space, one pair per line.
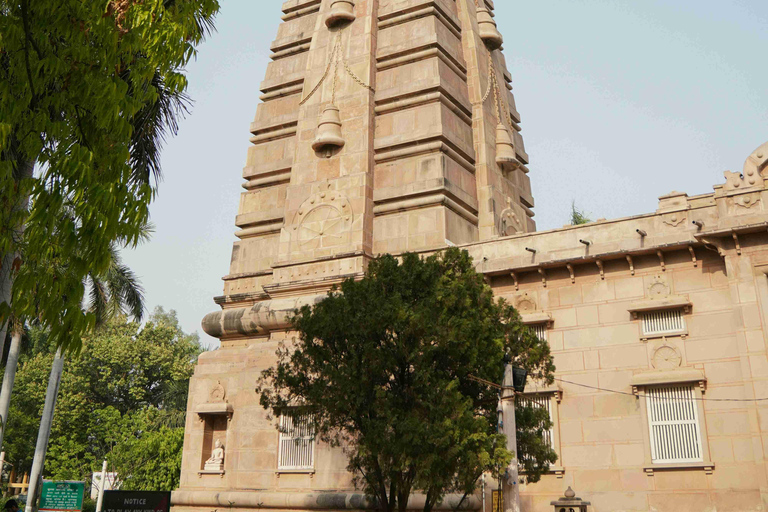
424, 165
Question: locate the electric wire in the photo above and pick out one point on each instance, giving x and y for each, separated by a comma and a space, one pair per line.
629, 393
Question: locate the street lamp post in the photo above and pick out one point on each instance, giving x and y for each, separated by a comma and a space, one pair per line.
514, 382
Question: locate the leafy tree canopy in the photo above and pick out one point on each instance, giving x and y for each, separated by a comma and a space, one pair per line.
118, 399
385, 367
88, 92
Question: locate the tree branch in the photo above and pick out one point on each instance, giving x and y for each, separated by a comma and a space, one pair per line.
28, 40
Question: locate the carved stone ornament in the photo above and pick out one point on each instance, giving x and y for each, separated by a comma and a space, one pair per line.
739, 181
324, 219
218, 393
747, 200
666, 357
525, 303
659, 288
675, 219
509, 222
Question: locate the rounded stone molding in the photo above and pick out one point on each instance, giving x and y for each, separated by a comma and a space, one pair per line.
261, 318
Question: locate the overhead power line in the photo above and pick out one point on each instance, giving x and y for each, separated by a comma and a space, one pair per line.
643, 395
627, 393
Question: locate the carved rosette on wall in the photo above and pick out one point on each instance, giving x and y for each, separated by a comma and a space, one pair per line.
323, 220
666, 357
659, 287
525, 303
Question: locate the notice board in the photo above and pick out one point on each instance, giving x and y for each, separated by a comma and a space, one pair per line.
136, 501
62, 496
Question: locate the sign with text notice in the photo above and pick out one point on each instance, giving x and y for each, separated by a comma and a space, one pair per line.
62, 496
136, 501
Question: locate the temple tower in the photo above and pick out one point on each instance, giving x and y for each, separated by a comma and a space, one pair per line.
385, 126
423, 105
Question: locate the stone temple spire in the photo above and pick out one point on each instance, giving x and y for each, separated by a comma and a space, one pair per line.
385, 126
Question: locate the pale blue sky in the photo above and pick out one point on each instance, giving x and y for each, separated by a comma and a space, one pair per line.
621, 100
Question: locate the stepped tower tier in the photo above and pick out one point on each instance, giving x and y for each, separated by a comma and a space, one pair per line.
421, 105
422, 148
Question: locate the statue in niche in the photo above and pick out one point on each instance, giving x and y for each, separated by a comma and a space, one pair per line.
509, 223
216, 461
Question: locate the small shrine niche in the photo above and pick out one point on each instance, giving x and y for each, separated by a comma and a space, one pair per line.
215, 416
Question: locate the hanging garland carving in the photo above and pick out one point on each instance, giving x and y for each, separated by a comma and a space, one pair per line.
506, 156
336, 57
329, 136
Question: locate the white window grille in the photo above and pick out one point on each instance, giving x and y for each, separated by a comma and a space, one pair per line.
673, 422
297, 443
664, 321
540, 330
541, 401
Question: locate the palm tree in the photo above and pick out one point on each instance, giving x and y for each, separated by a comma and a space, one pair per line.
113, 292
116, 291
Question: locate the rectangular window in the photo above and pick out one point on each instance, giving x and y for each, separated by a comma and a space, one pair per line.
673, 422
664, 321
540, 330
541, 402
297, 443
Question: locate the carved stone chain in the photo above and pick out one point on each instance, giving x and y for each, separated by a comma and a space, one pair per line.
337, 55
331, 61
355, 78
336, 52
490, 82
493, 85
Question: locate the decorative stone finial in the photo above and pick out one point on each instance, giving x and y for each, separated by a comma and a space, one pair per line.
489, 32
569, 493
329, 130
506, 156
342, 11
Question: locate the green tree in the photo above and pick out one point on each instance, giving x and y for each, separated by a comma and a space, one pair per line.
88, 92
578, 216
386, 365
111, 402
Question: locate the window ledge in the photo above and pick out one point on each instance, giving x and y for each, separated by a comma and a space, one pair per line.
536, 318
558, 471
306, 471
669, 302
658, 377
677, 334
209, 472
214, 409
708, 467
